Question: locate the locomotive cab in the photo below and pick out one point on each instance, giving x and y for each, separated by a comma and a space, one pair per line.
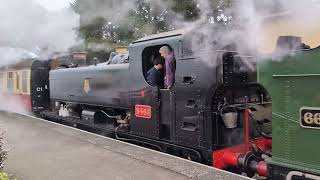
215, 84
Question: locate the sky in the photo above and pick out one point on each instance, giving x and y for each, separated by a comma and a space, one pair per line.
54, 5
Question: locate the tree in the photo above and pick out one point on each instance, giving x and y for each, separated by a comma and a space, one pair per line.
144, 17
187, 8
93, 31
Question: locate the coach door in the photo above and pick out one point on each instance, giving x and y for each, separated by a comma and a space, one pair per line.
40, 96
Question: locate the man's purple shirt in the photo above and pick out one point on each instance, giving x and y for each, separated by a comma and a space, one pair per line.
170, 70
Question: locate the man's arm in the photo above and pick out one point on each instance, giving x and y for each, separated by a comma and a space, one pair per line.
170, 72
151, 79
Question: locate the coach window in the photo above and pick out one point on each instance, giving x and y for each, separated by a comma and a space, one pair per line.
25, 80
17, 81
149, 54
10, 81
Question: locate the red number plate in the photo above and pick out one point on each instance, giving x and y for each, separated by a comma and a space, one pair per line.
143, 111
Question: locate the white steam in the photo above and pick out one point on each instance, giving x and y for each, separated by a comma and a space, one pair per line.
13, 55
112, 10
28, 30
28, 25
11, 103
266, 20
259, 24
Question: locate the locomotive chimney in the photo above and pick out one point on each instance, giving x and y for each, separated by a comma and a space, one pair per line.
289, 43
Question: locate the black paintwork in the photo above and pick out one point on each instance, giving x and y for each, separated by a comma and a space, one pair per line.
107, 85
40, 86
186, 115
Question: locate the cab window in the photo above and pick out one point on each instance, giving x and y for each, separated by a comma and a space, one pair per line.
149, 55
153, 65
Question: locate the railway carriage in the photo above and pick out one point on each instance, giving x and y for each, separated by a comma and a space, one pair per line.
15, 86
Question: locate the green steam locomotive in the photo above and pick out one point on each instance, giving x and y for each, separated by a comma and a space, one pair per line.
291, 76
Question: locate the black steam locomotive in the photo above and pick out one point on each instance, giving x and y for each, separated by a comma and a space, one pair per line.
204, 115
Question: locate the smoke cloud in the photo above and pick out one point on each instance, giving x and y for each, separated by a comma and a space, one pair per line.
28, 30
14, 104
266, 20
29, 26
11, 55
261, 21
255, 25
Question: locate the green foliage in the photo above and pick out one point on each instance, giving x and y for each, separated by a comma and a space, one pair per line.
187, 8
149, 18
4, 176
93, 31
3, 152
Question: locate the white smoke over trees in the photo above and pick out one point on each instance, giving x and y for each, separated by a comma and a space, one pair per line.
29, 26
123, 21
179, 13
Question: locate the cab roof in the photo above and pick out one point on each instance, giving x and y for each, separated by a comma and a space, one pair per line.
163, 35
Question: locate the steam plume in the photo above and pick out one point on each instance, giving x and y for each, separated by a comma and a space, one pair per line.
27, 25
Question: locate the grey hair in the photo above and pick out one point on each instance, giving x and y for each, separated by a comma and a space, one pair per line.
165, 49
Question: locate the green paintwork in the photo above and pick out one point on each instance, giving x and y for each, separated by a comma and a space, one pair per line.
293, 82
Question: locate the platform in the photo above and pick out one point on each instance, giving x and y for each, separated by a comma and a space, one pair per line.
44, 150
